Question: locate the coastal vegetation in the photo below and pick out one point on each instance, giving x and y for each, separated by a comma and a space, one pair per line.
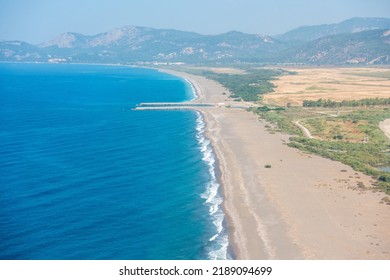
352, 137
247, 87
327, 103
245, 84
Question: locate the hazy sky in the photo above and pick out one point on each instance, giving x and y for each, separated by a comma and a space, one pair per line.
36, 21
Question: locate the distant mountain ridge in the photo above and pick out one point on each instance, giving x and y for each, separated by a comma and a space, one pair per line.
353, 25
365, 47
357, 40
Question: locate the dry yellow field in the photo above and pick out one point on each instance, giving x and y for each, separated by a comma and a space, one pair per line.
330, 83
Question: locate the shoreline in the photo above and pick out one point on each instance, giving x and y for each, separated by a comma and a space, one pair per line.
198, 92
303, 207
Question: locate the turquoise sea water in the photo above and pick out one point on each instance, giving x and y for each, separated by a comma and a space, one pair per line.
82, 176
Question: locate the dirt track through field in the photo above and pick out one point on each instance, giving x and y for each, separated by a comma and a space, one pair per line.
385, 127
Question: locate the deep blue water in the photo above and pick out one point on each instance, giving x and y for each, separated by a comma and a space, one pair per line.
82, 176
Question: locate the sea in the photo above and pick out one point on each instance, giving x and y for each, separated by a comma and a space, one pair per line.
83, 176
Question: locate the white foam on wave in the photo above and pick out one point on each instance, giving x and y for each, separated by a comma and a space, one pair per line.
193, 89
222, 252
218, 243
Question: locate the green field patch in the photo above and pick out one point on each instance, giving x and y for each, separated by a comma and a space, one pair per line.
319, 89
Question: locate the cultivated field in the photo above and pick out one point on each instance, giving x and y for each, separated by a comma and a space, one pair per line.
330, 83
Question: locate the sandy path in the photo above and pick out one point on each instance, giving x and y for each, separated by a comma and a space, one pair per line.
305, 131
385, 127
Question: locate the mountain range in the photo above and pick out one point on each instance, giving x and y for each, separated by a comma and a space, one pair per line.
354, 41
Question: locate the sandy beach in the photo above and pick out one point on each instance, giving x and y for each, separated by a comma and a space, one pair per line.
300, 207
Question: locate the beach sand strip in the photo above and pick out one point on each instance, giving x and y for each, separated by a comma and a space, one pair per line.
281, 203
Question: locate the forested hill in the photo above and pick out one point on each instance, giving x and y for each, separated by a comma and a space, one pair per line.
355, 41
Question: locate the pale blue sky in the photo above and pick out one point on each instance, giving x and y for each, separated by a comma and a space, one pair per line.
36, 21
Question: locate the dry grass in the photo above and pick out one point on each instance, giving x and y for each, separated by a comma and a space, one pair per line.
330, 83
